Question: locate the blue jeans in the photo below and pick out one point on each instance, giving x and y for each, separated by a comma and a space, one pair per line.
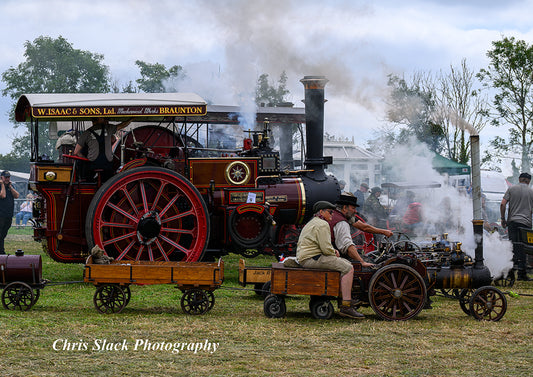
22, 216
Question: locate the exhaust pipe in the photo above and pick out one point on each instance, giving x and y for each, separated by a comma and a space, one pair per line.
314, 120
476, 201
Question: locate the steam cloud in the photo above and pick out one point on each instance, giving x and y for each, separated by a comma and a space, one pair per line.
412, 163
275, 36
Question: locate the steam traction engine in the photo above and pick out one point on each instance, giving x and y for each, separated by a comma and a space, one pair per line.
172, 198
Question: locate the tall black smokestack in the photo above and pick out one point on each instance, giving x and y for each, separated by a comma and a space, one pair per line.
314, 120
476, 196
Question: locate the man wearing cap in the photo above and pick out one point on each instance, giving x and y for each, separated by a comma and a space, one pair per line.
342, 185
360, 194
314, 250
341, 236
373, 210
8, 194
520, 200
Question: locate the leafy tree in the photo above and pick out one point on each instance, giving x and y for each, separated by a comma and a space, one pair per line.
510, 74
462, 110
268, 94
413, 105
439, 110
156, 78
52, 66
12, 162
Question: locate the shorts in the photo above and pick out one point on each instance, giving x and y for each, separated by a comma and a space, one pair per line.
328, 262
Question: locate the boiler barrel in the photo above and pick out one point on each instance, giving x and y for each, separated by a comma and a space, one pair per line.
24, 268
456, 278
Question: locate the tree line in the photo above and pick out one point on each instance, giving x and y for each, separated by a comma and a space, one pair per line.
435, 108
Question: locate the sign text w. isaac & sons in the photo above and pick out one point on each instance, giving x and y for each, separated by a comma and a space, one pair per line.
96, 111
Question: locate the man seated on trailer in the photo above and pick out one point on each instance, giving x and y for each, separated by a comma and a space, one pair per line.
341, 236
95, 144
314, 250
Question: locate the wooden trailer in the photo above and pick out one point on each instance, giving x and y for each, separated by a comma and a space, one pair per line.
258, 276
197, 281
395, 290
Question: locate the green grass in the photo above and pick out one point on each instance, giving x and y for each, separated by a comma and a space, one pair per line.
438, 342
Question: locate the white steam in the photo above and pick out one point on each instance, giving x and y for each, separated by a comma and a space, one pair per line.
446, 209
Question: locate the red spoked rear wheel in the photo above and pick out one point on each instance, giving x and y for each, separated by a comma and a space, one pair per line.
148, 213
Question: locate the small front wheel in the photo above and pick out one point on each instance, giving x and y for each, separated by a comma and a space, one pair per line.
321, 308
274, 306
488, 304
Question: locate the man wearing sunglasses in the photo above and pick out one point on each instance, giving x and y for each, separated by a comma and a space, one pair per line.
314, 250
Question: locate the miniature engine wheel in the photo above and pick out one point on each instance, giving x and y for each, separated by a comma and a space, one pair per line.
321, 308
18, 295
464, 300
274, 306
109, 298
196, 301
148, 213
397, 292
488, 303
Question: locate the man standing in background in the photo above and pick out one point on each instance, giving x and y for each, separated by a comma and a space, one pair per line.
8, 194
520, 200
375, 212
360, 194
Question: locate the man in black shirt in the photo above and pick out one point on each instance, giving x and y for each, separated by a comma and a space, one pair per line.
8, 194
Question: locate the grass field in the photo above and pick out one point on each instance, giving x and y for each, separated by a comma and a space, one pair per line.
438, 342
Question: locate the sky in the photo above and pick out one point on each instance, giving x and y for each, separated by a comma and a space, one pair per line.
224, 45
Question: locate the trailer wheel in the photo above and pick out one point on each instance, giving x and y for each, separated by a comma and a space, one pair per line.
148, 213
196, 301
464, 300
397, 292
109, 298
18, 295
258, 289
266, 289
488, 303
274, 306
321, 308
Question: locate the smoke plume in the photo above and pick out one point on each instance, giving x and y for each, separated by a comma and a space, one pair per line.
446, 209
